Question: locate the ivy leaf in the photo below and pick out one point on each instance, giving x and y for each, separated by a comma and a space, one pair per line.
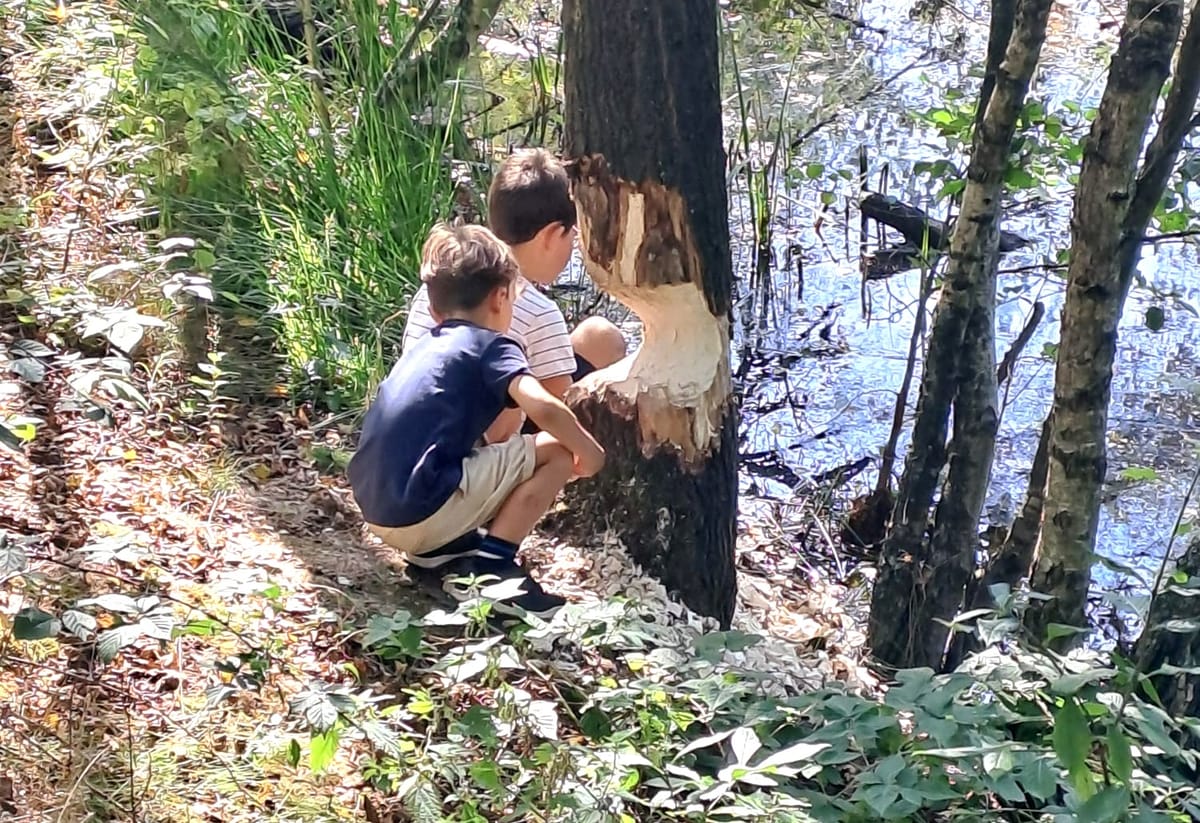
1156, 318
322, 749
1072, 742
34, 624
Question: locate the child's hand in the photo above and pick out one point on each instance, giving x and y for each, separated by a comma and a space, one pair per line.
590, 462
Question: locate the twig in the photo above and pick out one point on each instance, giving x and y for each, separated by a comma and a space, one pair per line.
867, 95
888, 460
418, 29
845, 18
1010, 359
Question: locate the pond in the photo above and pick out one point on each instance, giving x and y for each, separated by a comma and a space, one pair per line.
826, 371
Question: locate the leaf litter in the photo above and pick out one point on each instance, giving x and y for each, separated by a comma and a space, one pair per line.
173, 591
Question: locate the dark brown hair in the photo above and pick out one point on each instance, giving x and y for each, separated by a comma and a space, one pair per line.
529, 192
462, 265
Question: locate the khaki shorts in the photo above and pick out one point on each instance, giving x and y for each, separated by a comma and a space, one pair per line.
490, 473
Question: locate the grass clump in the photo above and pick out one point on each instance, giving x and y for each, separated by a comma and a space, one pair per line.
311, 197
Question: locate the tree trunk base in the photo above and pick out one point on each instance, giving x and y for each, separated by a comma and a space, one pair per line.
672, 513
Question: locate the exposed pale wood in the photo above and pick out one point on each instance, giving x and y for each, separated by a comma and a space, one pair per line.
643, 129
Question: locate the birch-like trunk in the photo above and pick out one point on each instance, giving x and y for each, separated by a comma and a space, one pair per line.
1113, 205
644, 136
919, 581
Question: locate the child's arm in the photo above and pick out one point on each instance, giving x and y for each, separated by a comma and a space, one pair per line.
554, 418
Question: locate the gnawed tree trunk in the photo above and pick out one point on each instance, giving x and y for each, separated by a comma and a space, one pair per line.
921, 582
643, 129
1172, 638
1113, 205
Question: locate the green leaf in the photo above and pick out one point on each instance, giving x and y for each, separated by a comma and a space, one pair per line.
111, 641
11, 439
293, 753
316, 708
800, 752
1019, 178
1156, 318
116, 603
487, 774
383, 738
28, 369
1120, 754
1139, 474
1072, 683
594, 723
30, 348
814, 170
81, 624
744, 744
1107, 806
322, 749
1039, 779
34, 624
879, 797
1072, 743
1056, 630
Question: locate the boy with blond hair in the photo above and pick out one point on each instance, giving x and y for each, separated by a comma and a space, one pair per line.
423, 480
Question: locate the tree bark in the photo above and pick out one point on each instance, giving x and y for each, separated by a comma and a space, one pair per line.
644, 138
1171, 638
921, 582
1112, 208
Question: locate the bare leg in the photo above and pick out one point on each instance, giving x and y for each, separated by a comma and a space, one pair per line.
598, 341
530, 500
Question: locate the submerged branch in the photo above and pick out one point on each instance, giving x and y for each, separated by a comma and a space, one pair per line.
1018, 346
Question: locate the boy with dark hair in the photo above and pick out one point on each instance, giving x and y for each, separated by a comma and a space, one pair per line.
530, 208
424, 483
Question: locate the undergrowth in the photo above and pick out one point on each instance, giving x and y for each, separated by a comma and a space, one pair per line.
311, 199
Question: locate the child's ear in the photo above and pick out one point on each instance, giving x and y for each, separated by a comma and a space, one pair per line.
548, 234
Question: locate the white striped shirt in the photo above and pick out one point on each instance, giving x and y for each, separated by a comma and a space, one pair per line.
537, 324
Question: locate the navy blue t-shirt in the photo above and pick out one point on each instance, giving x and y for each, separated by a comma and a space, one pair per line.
430, 412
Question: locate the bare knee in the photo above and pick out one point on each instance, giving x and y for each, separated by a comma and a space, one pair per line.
553, 458
598, 341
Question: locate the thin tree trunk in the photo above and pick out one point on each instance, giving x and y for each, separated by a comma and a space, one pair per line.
919, 583
1171, 638
412, 80
1015, 557
1112, 208
643, 131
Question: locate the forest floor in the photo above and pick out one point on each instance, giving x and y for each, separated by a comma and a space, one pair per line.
220, 534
